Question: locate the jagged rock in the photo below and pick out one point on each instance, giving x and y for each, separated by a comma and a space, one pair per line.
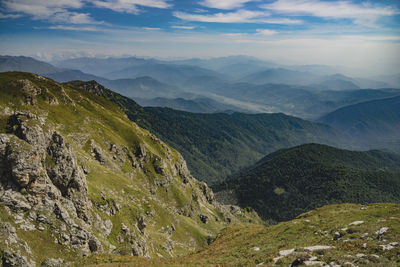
235, 210
286, 252
141, 151
208, 193
66, 175
119, 153
30, 132
318, 247
21, 160
14, 260
95, 245
381, 232
29, 90
336, 236
160, 166
53, 263
15, 201
8, 233
62, 213
203, 218
141, 224
98, 154
139, 248
356, 223
389, 246
105, 226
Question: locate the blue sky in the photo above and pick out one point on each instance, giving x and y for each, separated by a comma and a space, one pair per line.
351, 33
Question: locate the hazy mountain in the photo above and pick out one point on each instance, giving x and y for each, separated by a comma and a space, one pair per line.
167, 73
196, 105
336, 82
143, 87
133, 67
316, 69
102, 66
71, 75
233, 66
393, 80
281, 76
374, 123
292, 181
302, 101
28, 64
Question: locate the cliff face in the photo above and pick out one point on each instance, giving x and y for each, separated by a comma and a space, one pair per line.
78, 177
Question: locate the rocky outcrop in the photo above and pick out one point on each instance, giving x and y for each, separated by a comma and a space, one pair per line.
66, 175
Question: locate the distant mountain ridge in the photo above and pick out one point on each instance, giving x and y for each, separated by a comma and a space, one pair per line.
319, 95
373, 123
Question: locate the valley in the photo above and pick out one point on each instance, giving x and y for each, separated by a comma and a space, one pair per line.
77, 157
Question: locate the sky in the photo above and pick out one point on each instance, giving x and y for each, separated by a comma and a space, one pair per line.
356, 34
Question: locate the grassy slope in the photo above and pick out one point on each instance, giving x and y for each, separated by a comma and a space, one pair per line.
291, 181
235, 245
80, 117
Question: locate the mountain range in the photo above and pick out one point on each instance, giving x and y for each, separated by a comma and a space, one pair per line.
295, 90
82, 181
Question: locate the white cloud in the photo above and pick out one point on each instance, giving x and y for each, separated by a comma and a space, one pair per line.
183, 27
74, 28
266, 32
151, 29
362, 13
130, 6
40, 9
235, 34
224, 4
9, 16
230, 17
73, 18
281, 21
240, 16
54, 11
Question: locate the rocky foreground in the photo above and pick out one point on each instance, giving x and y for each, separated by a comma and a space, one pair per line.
332, 236
77, 178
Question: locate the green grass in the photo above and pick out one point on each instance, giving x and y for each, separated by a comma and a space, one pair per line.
234, 246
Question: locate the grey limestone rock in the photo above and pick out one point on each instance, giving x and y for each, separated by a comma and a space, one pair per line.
14, 260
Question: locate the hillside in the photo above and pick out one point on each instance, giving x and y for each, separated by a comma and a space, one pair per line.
374, 123
77, 177
334, 235
292, 181
216, 145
